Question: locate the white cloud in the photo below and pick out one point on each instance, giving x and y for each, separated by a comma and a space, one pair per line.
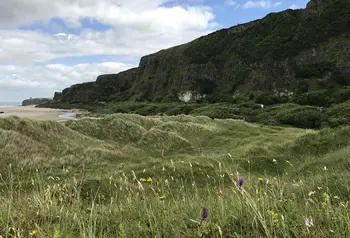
293, 6
230, 2
18, 83
135, 28
261, 4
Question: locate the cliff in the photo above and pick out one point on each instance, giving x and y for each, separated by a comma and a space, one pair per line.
35, 101
294, 51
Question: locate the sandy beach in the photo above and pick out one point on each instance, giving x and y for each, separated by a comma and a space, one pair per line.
38, 113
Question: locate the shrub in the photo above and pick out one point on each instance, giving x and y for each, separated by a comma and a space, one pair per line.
182, 109
220, 97
303, 117
267, 98
218, 111
317, 98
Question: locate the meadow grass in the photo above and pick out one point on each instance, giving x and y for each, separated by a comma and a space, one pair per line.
125, 175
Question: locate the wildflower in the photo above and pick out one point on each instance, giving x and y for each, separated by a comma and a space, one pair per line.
56, 234
149, 179
311, 193
308, 222
326, 197
67, 171
310, 200
74, 195
240, 182
274, 216
33, 234
205, 213
325, 168
274, 161
260, 179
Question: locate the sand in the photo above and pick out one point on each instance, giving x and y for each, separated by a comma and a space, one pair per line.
38, 113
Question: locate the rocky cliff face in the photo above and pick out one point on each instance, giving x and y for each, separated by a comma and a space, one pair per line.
35, 101
294, 50
101, 90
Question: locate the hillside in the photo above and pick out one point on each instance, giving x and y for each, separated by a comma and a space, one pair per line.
35, 101
126, 175
286, 55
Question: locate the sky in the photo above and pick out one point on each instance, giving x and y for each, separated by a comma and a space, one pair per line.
46, 46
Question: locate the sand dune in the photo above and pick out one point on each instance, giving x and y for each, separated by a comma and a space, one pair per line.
37, 113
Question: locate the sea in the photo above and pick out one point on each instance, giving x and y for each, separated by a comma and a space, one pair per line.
10, 104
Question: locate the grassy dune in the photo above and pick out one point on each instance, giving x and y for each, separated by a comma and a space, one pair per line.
126, 175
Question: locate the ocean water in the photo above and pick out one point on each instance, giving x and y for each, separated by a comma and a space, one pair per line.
9, 104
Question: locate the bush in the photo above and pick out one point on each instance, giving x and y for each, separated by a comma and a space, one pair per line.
182, 109
317, 98
341, 95
220, 97
218, 111
267, 98
303, 117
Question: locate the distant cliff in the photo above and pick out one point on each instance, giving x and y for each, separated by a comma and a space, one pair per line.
35, 101
294, 51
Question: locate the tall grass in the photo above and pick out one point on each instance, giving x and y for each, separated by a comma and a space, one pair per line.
134, 176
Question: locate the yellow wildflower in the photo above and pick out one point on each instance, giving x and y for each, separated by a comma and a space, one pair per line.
310, 200
67, 171
260, 179
33, 234
326, 197
143, 179
56, 234
149, 179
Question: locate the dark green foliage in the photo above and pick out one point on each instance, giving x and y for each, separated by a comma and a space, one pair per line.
181, 109
338, 114
268, 98
315, 70
341, 95
121, 96
218, 111
220, 97
304, 117
317, 98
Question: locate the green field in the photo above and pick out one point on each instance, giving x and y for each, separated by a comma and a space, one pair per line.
126, 175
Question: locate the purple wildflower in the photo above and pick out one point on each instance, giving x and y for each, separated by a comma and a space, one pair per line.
240, 182
205, 213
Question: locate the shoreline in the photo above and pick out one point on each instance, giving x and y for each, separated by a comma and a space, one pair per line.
36, 113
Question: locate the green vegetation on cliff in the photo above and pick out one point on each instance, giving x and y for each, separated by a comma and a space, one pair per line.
292, 52
295, 63
132, 176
